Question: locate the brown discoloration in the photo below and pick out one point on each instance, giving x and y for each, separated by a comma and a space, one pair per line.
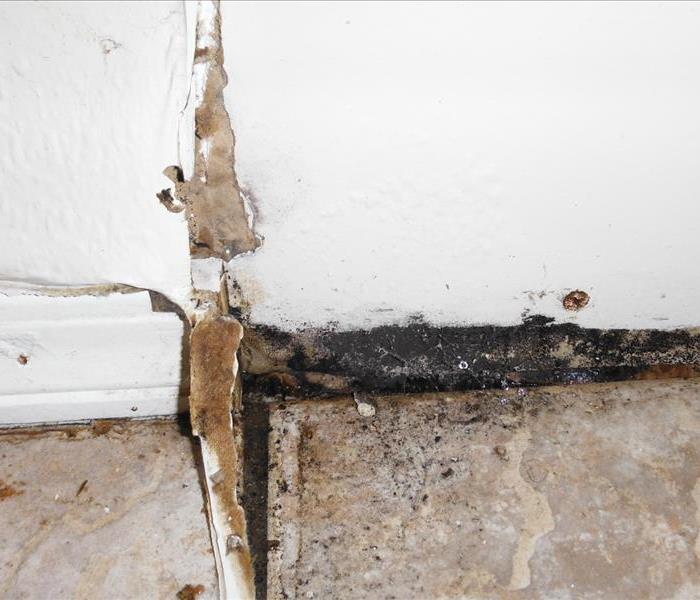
216, 212
335, 383
669, 372
86, 290
22, 359
190, 592
81, 431
576, 300
214, 343
574, 504
502, 452
82, 487
260, 353
8, 491
105, 426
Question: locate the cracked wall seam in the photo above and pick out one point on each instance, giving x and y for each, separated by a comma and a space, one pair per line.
220, 227
219, 217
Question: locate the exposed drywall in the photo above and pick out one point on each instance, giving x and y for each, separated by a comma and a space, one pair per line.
214, 376
89, 111
219, 224
472, 162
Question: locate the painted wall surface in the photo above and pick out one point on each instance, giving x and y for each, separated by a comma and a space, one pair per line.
89, 115
71, 358
469, 162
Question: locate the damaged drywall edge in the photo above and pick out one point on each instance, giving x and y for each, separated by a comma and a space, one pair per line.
17, 288
186, 145
213, 380
219, 218
215, 413
220, 227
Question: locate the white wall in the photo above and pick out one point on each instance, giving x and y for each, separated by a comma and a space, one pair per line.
89, 114
462, 160
92, 109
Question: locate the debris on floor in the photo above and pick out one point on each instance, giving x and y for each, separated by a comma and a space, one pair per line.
568, 492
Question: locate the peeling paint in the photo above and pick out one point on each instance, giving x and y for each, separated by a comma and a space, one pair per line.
220, 227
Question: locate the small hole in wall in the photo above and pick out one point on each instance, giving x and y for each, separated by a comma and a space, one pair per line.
22, 359
576, 300
134, 408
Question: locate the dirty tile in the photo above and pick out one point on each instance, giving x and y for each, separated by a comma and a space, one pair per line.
570, 492
110, 511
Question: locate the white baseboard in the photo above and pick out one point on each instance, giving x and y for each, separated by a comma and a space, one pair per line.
87, 357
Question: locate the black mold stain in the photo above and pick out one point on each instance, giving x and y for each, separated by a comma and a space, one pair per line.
421, 357
254, 498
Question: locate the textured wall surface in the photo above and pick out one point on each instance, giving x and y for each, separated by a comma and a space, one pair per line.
470, 162
89, 110
93, 106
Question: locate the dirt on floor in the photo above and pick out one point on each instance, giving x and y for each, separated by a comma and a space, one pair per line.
564, 492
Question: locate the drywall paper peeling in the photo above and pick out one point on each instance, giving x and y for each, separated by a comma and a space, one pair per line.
214, 370
219, 225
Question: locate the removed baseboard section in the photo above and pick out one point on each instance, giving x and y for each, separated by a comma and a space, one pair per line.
420, 357
87, 357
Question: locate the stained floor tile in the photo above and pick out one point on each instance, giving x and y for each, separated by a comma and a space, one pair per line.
558, 493
111, 511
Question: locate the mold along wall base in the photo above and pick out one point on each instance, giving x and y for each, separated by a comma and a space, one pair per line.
422, 357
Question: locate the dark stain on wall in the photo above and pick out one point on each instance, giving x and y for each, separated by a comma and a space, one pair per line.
421, 357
